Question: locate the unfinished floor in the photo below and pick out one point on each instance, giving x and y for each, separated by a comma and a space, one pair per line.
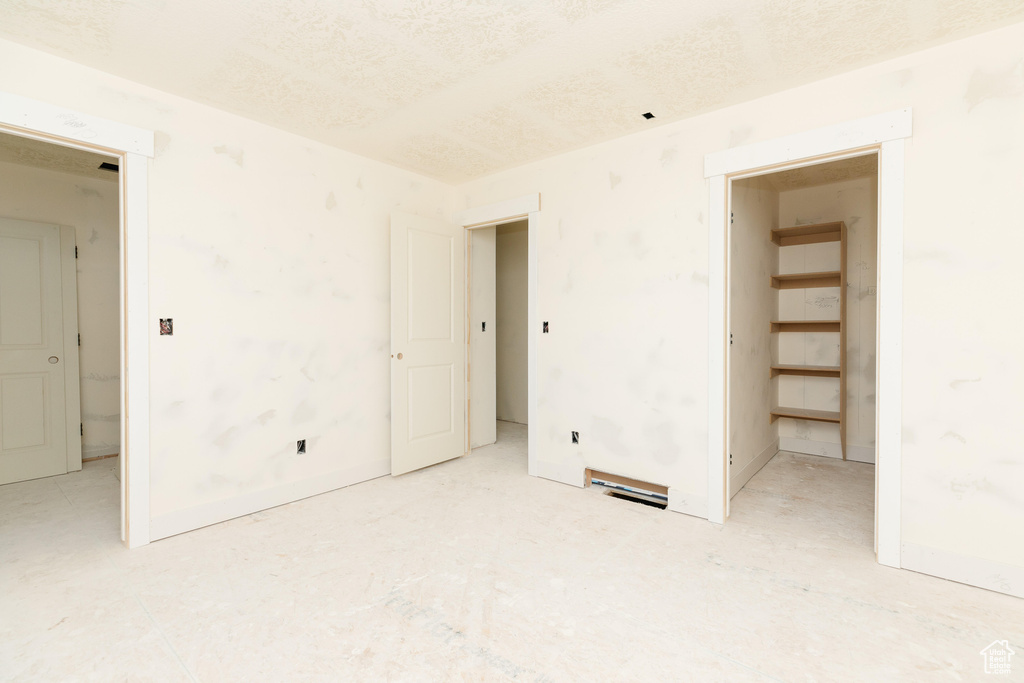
472, 570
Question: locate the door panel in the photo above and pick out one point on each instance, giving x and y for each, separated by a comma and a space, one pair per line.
483, 331
428, 388
33, 439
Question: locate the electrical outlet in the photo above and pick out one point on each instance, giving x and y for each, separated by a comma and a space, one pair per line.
575, 437
300, 447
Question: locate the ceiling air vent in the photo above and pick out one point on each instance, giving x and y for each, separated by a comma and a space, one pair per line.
648, 116
107, 166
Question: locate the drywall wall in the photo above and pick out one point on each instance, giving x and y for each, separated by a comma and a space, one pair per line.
856, 203
753, 259
622, 278
91, 207
512, 322
483, 429
271, 254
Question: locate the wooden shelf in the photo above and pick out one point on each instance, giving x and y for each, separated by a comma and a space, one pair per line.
806, 414
829, 278
808, 234
806, 326
806, 370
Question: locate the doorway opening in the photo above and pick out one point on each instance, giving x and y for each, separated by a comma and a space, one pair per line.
882, 135
802, 320
74, 193
131, 148
498, 340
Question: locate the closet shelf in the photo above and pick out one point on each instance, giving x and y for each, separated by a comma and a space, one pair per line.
829, 278
806, 370
808, 234
806, 414
806, 326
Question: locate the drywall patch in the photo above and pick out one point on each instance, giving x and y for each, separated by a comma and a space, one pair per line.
955, 436
957, 383
987, 85
266, 416
614, 180
331, 201
236, 154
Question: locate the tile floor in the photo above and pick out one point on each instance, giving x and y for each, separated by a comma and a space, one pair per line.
472, 570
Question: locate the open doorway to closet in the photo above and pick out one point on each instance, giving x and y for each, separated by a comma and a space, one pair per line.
498, 323
802, 316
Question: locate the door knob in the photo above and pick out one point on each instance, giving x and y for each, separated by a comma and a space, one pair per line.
399, 356
53, 360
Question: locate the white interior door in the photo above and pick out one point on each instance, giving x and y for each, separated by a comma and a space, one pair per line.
483, 395
428, 342
33, 425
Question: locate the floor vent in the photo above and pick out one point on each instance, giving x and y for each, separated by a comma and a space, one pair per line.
627, 488
634, 498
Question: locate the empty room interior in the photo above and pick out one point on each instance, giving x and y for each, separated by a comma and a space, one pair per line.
502, 340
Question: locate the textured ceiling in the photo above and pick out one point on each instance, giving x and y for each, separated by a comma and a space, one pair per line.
455, 89
824, 174
18, 150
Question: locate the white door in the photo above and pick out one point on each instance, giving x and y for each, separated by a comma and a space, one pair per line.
483, 374
34, 427
428, 342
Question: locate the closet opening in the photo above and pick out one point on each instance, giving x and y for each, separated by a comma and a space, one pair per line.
498, 324
801, 361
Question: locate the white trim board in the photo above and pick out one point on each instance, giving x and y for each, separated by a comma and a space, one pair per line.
40, 121
973, 571
738, 480
827, 449
527, 206
688, 504
839, 138
884, 135
180, 521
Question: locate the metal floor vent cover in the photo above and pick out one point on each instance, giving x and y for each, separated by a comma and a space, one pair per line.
636, 498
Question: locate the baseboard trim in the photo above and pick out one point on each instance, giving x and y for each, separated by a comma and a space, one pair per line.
827, 449
687, 503
571, 474
179, 522
973, 571
100, 457
739, 479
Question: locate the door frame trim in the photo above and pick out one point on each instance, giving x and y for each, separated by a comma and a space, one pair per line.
133, 147
885, 132
515, 209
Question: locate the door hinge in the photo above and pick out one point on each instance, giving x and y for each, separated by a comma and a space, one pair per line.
81, 429
730, 458
79, 338
730, 339
76, 251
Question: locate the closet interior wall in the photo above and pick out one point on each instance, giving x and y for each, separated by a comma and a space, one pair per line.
855, 202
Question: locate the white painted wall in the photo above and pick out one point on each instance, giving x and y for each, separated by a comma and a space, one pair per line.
271, 254
623, 279
483, 429
856, 203
90, 206
513, 323
753, 259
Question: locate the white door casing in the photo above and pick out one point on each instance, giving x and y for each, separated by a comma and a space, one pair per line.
882, 134
39, 392
428, 342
